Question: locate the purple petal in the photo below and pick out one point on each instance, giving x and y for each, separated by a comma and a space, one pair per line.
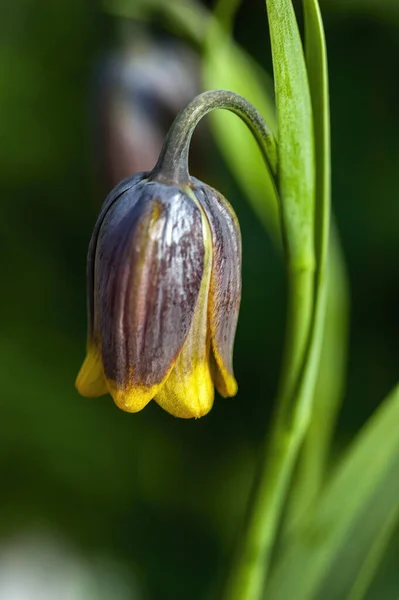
148, 270
225, 289
120, 189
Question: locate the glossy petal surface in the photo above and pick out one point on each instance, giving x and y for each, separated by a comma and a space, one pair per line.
120, 189
148, 271
225, 286
188, 392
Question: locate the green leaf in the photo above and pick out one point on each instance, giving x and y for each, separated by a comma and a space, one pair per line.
374, 556
295, 135
317, 68
297, 191
336, 546
328, 391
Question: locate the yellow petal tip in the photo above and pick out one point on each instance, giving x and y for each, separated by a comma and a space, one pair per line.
228, 388
225, 382
131, 399
188, 395
90, 381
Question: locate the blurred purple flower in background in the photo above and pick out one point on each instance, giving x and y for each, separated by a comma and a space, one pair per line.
141, 87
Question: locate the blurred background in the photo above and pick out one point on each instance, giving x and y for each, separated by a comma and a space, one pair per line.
100, 504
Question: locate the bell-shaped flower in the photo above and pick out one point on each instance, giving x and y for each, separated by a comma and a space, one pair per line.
164, 288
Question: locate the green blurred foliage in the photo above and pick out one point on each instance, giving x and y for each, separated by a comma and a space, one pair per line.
163, 496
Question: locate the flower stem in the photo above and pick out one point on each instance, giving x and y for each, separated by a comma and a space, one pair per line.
279, 451
172, 165
306, 315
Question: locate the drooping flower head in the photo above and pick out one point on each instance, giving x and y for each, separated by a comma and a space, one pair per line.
164, 288
164, 279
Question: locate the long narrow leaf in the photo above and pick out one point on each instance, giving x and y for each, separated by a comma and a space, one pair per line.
295, 133
317, 68
328, 391
296, 186
332, 543
374, 556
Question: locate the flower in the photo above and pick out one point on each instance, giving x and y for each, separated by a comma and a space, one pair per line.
138, 88
164, 288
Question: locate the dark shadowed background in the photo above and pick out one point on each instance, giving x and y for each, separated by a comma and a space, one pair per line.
108, 505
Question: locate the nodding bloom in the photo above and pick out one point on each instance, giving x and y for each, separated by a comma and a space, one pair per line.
164, 278
164, 288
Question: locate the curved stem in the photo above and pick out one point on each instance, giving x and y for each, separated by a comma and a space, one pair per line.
172, 165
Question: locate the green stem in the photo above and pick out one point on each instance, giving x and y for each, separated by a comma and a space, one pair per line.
306, 315
279, 452
299, 316
315, 457
172, 165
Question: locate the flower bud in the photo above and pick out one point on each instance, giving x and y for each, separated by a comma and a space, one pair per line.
164, 288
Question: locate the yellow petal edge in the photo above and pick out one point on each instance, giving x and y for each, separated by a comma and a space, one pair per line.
225, 382
188, 392
91, 382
